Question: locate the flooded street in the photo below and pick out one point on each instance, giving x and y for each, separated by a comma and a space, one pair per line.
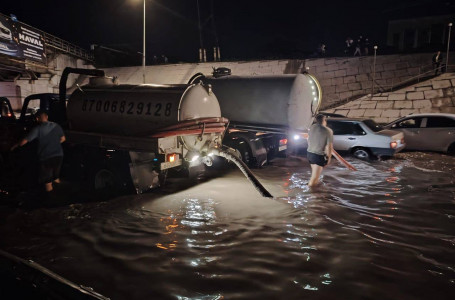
386, 231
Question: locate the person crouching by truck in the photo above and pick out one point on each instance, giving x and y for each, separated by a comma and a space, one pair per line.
319, 152
50, 153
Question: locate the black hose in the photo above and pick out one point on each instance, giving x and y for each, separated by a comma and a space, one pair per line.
193, 78
67, 71
245, 170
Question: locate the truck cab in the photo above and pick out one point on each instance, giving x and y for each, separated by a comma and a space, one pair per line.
48, 102
13, 129
22, 164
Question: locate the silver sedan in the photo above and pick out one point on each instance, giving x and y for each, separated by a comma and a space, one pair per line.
427, 132
362, 138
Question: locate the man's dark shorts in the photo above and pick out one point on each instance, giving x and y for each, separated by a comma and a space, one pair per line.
316, 159
50, 169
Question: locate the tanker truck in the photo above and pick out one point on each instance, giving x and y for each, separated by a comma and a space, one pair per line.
265, 112
141, 131
123, 136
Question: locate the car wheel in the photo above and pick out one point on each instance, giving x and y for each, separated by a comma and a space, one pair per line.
451, 149
361, 153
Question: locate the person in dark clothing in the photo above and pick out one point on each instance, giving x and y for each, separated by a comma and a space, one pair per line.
349, 45
361, 42
50, 153
320, 146
366, 46
357, 49
437, 59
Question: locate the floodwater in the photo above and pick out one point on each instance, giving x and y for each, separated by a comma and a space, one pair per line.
386, 231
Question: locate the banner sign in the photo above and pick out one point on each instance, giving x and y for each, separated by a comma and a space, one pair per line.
21, 41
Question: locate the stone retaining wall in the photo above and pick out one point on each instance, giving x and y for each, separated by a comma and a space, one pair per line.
435, 95
344, 78
340, 78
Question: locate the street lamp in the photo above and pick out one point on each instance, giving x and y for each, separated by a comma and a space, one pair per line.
143, 48
374, 70
448, 45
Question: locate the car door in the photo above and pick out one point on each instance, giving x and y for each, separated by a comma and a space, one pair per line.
8, 130
6, 111
411, 128
346, 134
437, 133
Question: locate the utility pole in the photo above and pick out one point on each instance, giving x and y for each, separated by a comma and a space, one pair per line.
374, 70
448, 47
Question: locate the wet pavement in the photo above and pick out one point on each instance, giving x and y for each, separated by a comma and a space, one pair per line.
386, 231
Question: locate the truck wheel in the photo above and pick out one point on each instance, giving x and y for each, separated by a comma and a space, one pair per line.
246, 154
361, 153
162, 177
104, 179
451, 150
2, 167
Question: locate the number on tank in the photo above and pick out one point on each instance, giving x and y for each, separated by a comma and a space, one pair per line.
130, 108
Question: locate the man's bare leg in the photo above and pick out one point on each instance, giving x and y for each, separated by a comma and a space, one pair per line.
57, 180
315, 173
49, 187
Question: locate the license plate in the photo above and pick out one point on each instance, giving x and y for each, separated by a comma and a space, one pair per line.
168, 165
281, 148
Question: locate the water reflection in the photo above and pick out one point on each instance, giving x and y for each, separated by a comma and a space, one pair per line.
386, 231
171, 225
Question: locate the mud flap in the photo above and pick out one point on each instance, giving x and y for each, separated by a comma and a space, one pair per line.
143, 171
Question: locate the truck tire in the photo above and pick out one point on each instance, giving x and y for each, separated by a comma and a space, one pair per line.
451, 149
246, 153
103, 179
2, 167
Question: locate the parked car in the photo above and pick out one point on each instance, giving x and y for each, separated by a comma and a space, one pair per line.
362, 138
427, 132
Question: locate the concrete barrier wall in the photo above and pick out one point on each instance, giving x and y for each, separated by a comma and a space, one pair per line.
46, 83
340, 78
432, 96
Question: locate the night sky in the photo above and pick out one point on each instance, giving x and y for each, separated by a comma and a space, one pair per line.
245, 29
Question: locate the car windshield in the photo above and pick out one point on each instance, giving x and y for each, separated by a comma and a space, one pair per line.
373, 125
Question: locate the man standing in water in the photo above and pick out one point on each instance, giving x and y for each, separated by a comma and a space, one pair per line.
50, 136
320, 143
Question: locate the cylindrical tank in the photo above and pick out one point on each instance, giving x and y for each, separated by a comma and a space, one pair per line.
137, 110
288, 101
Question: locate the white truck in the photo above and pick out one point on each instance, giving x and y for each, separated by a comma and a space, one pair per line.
265, 112
128, 136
